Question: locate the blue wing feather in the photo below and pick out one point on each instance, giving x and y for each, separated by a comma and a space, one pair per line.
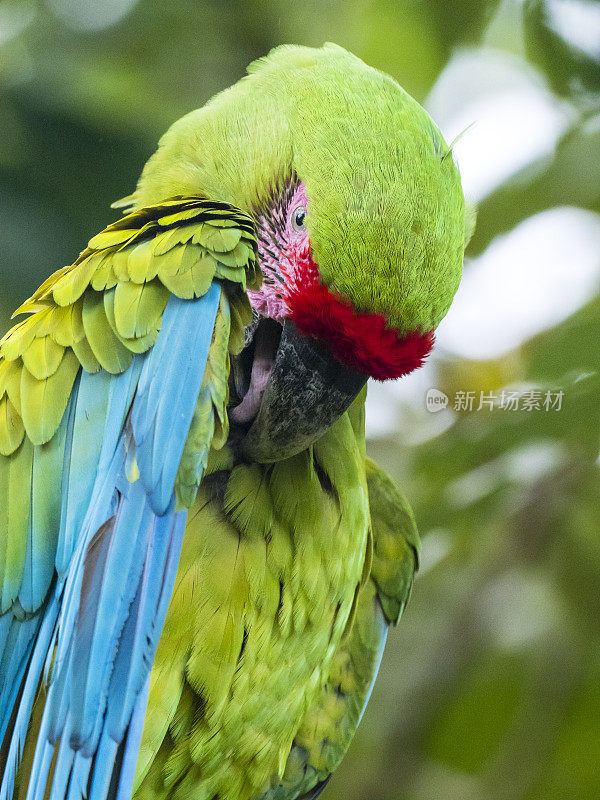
27, 698
105, 759
90, 396
104, 612
118, 546
19, 644
79, 777
170, 382
132, 745
37, 575
129, 665
64, 764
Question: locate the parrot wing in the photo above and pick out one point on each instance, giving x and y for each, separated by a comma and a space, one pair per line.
395, 543
112, 393
331, 722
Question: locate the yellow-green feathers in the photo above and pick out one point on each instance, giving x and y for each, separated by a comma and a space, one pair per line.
108, 305
97, 314
386, 212
330, 722
290, 572
271, 561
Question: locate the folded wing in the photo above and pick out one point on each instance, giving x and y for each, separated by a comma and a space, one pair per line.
112, 393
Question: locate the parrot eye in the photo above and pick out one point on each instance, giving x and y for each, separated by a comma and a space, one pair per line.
298, 216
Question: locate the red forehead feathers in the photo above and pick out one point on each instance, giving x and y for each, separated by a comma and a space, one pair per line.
360, 339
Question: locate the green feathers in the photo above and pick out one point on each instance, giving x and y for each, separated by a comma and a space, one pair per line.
108, 305
290, 572
395, 542
331, 720
210, 424
270, 563
386, 213
97, 314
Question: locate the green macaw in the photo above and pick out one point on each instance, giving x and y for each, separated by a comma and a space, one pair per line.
198, 563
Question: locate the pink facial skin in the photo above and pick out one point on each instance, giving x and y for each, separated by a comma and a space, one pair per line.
292, 289
280, 248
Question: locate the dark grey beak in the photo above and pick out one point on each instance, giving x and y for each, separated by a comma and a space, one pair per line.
307, 391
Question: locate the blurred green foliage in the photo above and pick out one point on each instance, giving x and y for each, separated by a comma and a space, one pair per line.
490, 687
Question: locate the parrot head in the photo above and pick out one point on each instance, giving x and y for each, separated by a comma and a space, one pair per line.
361, 227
